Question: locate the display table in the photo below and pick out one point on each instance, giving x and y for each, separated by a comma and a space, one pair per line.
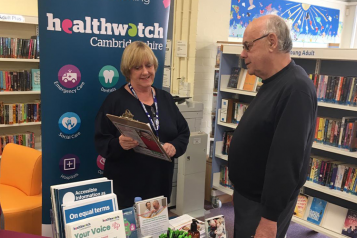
13, 234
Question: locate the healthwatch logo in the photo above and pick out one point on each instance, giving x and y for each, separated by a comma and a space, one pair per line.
102, 27
69, 123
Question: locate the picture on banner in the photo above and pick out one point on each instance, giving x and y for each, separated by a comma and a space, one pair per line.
309, 23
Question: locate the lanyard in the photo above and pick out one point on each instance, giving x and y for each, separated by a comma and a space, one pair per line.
156, 124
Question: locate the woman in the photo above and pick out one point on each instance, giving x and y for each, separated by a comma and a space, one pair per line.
134, 174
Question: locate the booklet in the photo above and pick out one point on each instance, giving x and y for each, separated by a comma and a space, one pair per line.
142, 133
109, 225
90, 207
153, 216
130, 222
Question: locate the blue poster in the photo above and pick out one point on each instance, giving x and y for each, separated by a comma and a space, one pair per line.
309, 23
81, 46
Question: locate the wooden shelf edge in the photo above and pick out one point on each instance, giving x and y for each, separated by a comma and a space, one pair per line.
21, 124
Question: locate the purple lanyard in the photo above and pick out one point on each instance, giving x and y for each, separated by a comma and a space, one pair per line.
156, 124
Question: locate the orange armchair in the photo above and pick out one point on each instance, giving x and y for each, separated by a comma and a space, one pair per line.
21, 188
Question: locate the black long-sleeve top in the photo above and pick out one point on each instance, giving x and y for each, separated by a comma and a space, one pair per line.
270, 149
134, 174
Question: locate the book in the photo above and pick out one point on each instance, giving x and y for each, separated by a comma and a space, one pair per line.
35, 73
227, 137
316, 211
249, 82
334, 217
153, 217
233, 78
241, 79
141, 132
109, 225
130, 222
345, 121
216, 227
350, 225
301, 204
227, 110
258, 84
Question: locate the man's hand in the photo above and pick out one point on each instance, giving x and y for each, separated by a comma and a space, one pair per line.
127, 143
169, 149
266, 229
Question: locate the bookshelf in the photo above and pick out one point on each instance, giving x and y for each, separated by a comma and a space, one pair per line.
218, 153
336, 62
24, 29
22, 124
334, 150
219, 187
237, 91
332, 192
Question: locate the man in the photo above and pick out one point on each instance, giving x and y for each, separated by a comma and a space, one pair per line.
270, 149
157, 208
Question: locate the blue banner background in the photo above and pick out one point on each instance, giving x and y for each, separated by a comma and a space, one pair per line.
72, 157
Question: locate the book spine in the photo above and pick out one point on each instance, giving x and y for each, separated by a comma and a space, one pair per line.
344, 178
325, 131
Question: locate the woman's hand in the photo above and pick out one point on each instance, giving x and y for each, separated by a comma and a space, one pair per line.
127, 143
169, 149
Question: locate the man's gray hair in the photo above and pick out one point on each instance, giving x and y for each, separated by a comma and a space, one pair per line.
277, 25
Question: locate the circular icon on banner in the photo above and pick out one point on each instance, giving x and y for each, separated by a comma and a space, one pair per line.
69, 164
69, 76
69, 123
108, 76
100, 162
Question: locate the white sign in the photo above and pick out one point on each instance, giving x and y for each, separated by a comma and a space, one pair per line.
181, 48
302, 53
196, 141
12, 18
168, 53
166, 82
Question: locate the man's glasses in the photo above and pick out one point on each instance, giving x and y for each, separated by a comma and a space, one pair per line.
247, 45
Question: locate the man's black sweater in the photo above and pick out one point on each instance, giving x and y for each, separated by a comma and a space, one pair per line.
270, 149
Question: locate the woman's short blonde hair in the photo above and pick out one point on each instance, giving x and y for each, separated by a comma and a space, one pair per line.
134, 55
